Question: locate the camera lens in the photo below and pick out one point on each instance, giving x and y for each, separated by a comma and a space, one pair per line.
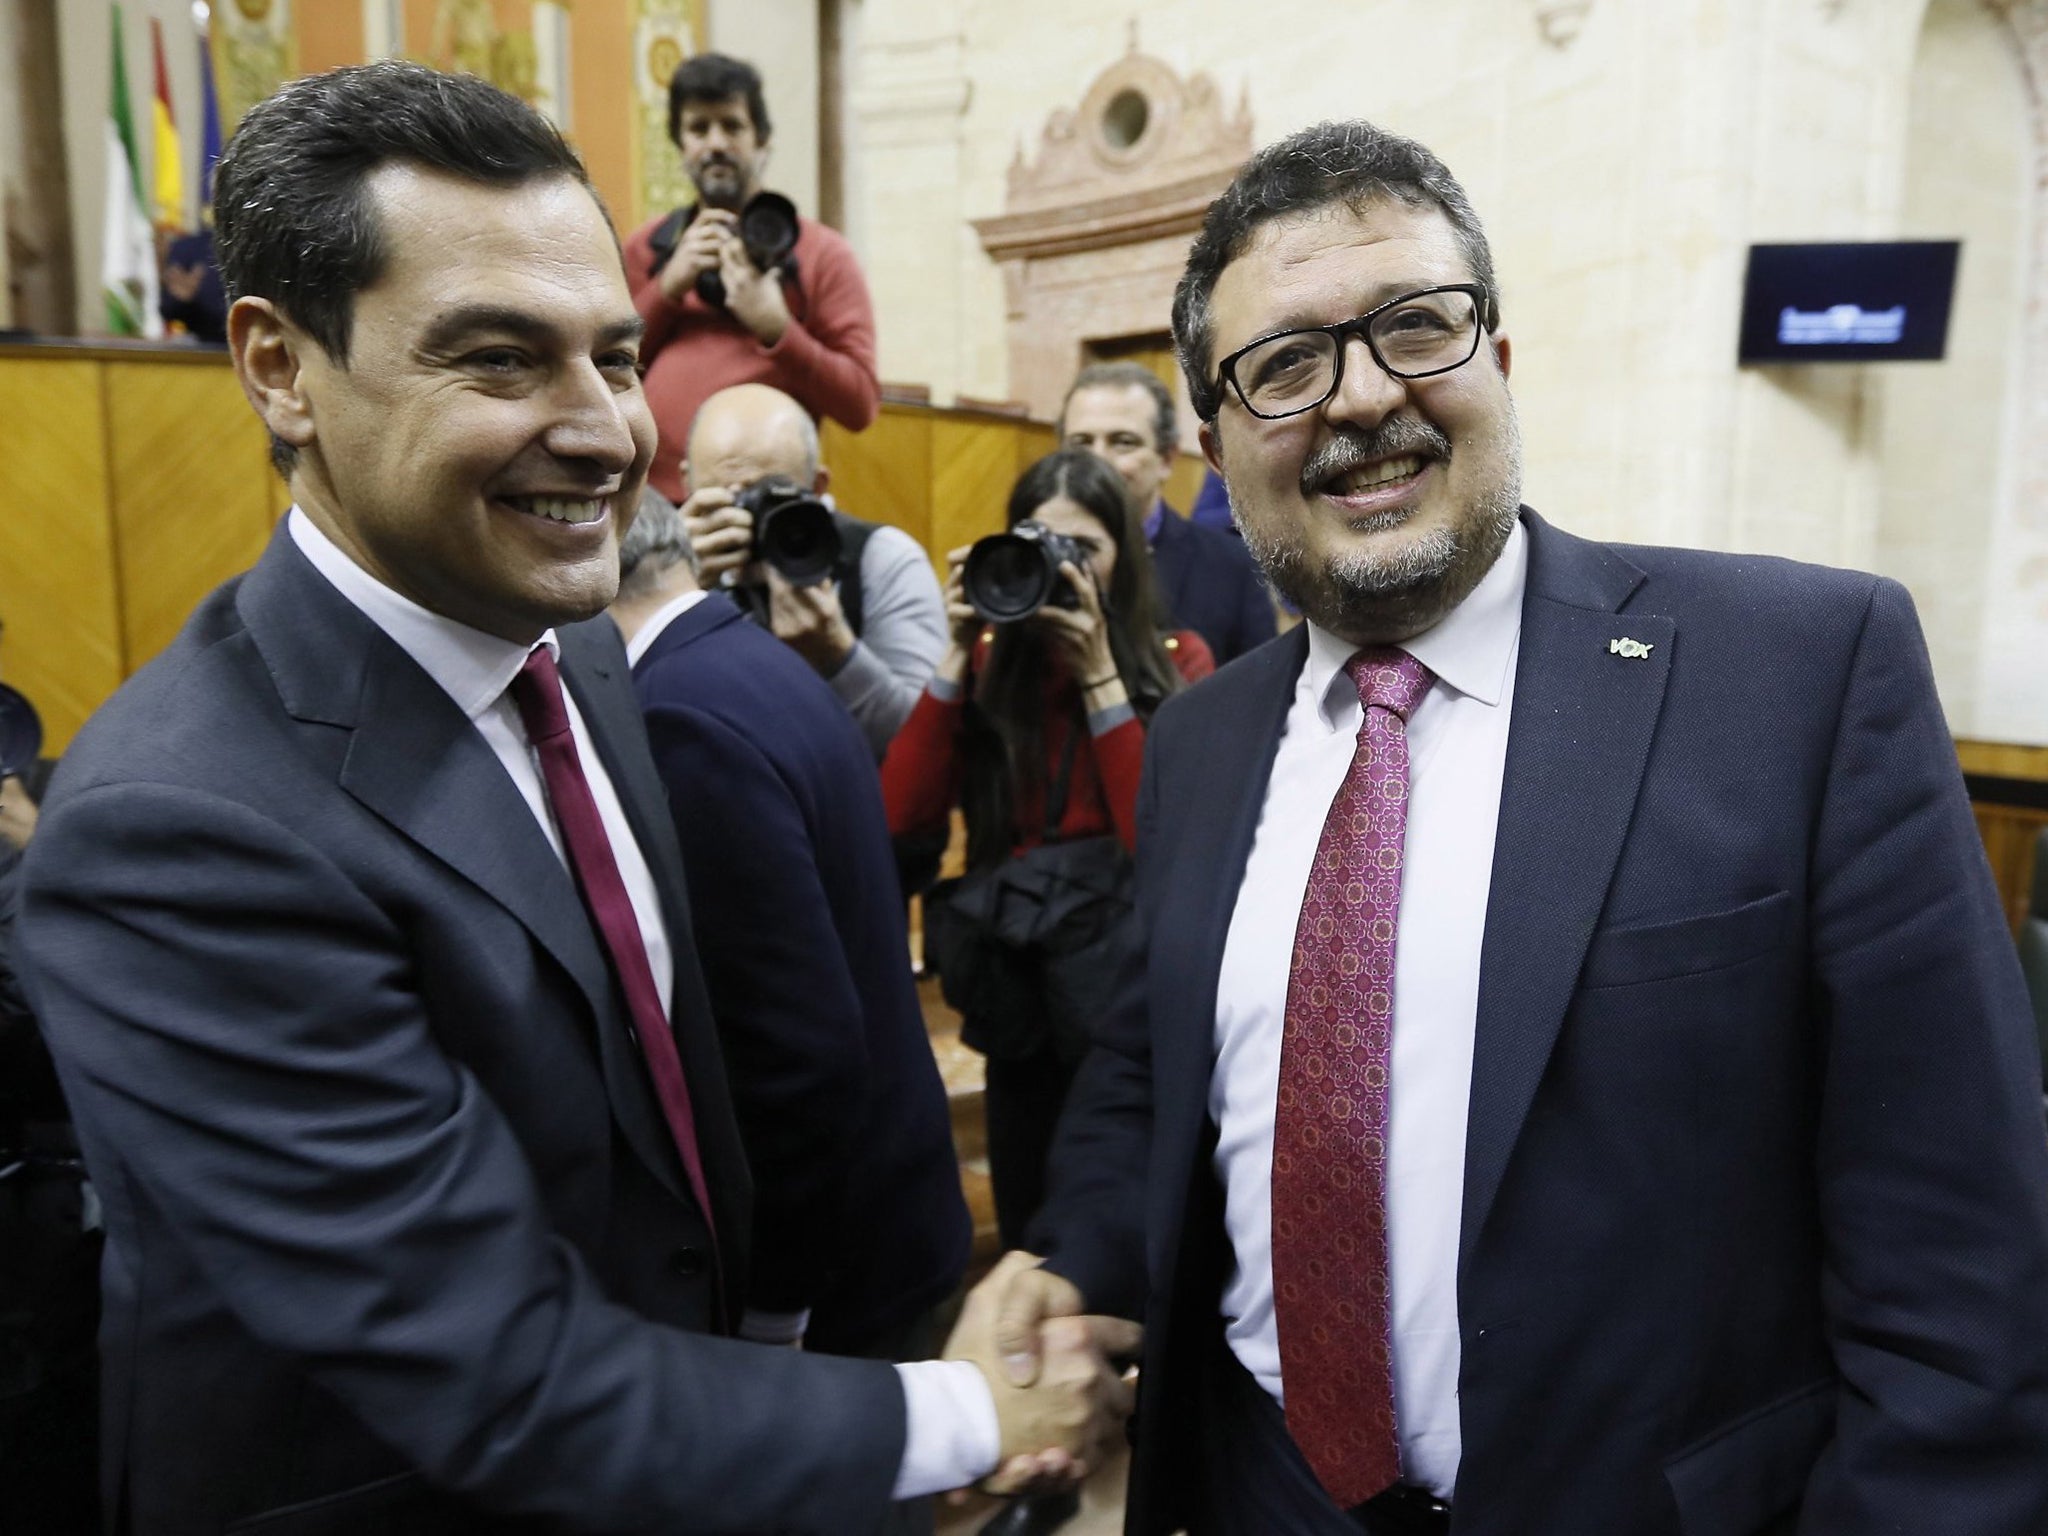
768, 229
1010, 576
799, 539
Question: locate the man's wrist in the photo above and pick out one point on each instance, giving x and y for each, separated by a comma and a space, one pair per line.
827, 650
952, 1437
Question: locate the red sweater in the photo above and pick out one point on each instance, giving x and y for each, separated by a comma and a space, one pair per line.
921, 775
825, 359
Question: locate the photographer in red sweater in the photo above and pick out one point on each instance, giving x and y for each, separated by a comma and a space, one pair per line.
727, 296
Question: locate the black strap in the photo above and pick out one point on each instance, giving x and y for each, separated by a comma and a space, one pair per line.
1063, 782
853, 542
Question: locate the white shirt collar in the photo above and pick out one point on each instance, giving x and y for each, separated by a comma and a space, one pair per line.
644, 638
1469, 649
473, 668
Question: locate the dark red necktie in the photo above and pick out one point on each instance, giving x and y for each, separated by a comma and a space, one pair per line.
537, 690
1331, 1296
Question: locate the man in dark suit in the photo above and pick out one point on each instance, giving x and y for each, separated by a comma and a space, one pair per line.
1582, 1080
361, 939
1122, 413
860, 1228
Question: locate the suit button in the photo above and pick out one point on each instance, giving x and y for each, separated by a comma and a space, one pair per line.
687, 1262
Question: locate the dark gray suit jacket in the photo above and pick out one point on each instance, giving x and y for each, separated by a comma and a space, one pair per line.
1756, 1183
397, 1241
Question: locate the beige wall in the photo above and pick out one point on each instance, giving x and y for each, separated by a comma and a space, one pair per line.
1942, 434
779, 38
1622, 174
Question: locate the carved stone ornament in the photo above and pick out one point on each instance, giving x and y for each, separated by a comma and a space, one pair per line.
1143, 155
1096, 225
1561, 21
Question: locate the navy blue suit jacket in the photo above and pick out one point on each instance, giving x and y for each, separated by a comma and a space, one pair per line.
1756, 1186
397, 1239
1209, 584
799, 920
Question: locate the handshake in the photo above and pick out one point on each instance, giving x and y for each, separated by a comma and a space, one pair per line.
1060, 1402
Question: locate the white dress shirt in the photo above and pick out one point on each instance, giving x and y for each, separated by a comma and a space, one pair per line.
476, 670
952, 1433
1457, 748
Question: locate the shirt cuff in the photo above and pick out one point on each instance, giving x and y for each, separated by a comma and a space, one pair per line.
758, 1327
1103, 721
951, 1437
945, 690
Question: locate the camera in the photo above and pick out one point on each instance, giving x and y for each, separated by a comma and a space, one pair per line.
767, 228
793, 530
1010, 576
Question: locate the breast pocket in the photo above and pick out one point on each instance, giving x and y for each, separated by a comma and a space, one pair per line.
1687, 946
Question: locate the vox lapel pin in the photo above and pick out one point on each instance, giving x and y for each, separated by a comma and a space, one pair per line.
1632, 650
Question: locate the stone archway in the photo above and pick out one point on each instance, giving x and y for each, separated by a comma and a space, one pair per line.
1096, 228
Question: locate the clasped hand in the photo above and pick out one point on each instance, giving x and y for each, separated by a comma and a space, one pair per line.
1060, 1402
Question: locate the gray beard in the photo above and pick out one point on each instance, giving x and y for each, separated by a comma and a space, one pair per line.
1377, 600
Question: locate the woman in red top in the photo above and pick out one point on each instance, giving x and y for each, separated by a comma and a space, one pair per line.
1048, 709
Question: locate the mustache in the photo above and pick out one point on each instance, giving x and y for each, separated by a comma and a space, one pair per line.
1352, 448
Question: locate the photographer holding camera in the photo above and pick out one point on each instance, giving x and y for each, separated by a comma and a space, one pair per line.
1034, 723
856, 600
738, 287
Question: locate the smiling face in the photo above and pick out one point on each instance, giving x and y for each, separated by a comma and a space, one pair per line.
722, 152
485, 444
1377, 512
1116, 422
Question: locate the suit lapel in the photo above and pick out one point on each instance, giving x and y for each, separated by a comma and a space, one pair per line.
1579, 739
1210, 820
417, 762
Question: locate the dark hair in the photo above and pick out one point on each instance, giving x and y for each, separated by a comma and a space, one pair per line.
715, 77
1354, 163
1003, 749
292, 222
1165, 425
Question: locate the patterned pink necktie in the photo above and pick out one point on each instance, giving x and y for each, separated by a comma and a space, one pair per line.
1330, 1281
537, 691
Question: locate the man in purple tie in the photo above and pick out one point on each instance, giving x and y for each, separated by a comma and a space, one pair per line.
1581, 1082
358, 929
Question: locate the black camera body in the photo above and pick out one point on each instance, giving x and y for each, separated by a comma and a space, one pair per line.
767, 228
794, 531
1010, 576
21, 733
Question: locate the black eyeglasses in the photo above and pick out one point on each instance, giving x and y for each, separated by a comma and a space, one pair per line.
1415, 336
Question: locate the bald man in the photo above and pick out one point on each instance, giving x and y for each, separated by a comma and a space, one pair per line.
875, 629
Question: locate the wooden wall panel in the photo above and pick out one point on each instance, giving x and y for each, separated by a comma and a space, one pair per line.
58, 597
885, 473
190, 490
2009, 833
1035, 440
974, 464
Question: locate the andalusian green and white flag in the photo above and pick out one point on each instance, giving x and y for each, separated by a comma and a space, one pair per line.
127, 245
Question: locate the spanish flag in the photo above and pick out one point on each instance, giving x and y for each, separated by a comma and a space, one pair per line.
169, 160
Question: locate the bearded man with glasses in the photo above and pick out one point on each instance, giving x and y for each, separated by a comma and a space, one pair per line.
1580, 1080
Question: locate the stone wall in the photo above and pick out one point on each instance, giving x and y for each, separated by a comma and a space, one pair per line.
1624, 156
